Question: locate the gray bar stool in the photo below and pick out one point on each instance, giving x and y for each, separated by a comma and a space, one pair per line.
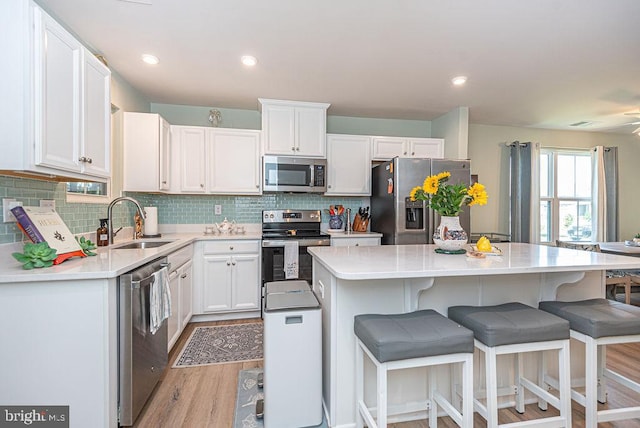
515, 328
416, 339
597, 323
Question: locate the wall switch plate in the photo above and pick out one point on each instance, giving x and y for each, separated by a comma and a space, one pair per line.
49, 203
218, 209
7, 204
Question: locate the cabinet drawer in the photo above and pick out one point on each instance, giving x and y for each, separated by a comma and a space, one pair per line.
355, 242
180, 257
231, 247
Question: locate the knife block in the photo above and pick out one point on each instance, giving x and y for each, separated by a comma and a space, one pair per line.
360, 225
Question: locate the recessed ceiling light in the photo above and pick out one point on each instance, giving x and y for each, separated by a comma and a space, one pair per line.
150, 59
459, 80
249, 60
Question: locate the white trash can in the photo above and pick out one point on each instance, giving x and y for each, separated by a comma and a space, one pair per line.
292, 360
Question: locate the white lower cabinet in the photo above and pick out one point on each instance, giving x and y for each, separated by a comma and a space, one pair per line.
230, 276
181, 289
355, 241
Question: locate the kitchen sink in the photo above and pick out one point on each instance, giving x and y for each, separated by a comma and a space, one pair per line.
142, 245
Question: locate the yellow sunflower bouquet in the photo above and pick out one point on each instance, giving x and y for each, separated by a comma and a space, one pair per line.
448, 199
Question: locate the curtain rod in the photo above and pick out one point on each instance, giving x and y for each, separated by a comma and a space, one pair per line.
513, 144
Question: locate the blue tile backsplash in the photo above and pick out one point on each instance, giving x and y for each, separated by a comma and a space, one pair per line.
172, 209
199, 209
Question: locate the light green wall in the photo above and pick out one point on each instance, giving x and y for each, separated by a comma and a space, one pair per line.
126, 97
199, 116
251, 119
490, 160
384, 127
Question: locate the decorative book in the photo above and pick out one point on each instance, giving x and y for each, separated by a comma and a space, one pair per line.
42, 224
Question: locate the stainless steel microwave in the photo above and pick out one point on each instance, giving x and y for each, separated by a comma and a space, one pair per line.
294, 174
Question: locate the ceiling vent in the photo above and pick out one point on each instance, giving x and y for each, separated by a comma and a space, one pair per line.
582, 124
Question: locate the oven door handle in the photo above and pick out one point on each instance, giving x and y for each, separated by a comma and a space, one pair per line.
322, 242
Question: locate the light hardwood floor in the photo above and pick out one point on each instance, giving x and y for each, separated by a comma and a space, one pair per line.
205, 396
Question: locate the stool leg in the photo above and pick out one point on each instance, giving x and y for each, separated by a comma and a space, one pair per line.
359, 383
518, 376
492, 387
433, 409
564, 382
591, 383
382, 395
602, 381
542, 372
467, 392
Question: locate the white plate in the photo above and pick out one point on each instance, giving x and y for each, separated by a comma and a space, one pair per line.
335, 230
495, 251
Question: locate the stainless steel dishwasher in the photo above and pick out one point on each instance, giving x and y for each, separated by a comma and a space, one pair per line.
142, 354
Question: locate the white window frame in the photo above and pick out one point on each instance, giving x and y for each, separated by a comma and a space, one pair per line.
553, 198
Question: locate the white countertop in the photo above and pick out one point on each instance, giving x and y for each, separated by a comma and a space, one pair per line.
109, 262
414, 261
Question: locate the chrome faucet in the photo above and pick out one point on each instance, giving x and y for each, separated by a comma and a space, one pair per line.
110, 219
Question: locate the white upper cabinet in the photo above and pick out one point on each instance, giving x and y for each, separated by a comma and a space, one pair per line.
292, 128
234, 161
385, 148
191, 145
60, 91
58, 98
216, 160
96, 142
147, 152
348, 165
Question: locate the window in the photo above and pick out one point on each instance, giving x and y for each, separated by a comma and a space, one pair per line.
565, 195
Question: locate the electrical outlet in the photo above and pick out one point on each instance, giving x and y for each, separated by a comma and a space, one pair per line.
218, 209
7, 204
49, 203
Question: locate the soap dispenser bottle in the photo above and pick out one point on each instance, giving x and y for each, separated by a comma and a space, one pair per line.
102, 234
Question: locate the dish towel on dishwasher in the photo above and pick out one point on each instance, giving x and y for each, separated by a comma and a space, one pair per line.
159, 299
291, 260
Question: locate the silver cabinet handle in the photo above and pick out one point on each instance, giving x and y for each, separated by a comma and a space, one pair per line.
231, 247
89, 160
202, 186
413, 153
297, 149
233, 263
228, 263
293, 149
183, 276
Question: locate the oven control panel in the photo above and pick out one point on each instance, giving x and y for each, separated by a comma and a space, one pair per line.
291, 216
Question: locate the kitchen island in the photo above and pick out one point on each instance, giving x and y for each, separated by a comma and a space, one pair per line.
391, 279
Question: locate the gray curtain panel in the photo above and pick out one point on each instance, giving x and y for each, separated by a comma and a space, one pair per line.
520, 191
611, 182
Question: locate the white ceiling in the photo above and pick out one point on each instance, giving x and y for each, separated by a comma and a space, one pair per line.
535, 63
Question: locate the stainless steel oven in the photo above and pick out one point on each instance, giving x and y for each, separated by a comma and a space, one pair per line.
282, 226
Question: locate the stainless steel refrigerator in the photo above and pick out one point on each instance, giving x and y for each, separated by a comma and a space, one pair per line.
394, 215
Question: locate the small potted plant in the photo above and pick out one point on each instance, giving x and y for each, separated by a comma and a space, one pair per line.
636, 238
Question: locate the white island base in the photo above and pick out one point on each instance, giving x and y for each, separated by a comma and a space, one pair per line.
395, 279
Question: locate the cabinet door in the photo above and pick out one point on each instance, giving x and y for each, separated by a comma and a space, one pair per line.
246, 281
426, 148
355, 242
173, 323
57, 90
192, 160
186, 293
96, 143
234, 162
348, 165
165, 155
278, 126
311, 131
385, 148
217, 283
